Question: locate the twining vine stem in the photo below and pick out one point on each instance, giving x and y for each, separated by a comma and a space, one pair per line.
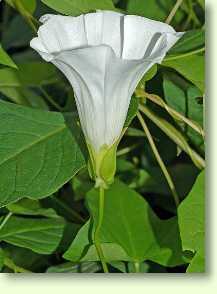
5, 219
171, 57
175, 114
98, 227
174, 135
173, 11
31, 21
159, 159
17, 269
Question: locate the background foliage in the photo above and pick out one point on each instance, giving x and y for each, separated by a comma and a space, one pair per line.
154, 212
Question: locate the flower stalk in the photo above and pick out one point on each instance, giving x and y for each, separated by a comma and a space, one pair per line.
98, 227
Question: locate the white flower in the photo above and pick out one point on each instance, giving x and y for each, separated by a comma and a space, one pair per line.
104, 55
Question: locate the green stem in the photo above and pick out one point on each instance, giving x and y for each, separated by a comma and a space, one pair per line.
26, 15
127, 149
188, 19
174, 135
97, 230
159, 159
195, 19
137, 267
50, 99
5, 220
187, 7
72, 212
184, 55
175, 114
173, 11
17, 269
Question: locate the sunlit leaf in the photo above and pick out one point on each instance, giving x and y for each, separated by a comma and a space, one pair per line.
191, 215
29, 5
191, 67
5, 59
39, 235
134, 227
38, 153
76, 7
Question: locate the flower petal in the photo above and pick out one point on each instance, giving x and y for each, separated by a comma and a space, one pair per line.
131, 37
104, 27
102, 95
39, 47
88, 87
141, 35
104, 55
62, 32
93, 27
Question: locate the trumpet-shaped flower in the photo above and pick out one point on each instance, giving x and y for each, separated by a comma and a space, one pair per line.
103, 55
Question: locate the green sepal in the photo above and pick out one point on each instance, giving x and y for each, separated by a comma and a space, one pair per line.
108, 165
102, 164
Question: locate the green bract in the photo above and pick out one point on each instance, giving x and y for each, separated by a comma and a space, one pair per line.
102, 165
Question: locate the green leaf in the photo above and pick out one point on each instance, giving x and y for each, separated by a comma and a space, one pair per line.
39, 235
191, 214
75, 252
119, 265
148, 76
197, 264
153, 181
31, 74
31, 207
190, 41
129, 267
25, 258
133, 132
77, 7
187, 102
1, 258
153, 9
132, 111
17, 33
29, 5
202, 3
69, 267
5, 59
79, 244
175, 135
133, 226
38, 153
24, 96
191, 67
81, 184
111, 251
19, 85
